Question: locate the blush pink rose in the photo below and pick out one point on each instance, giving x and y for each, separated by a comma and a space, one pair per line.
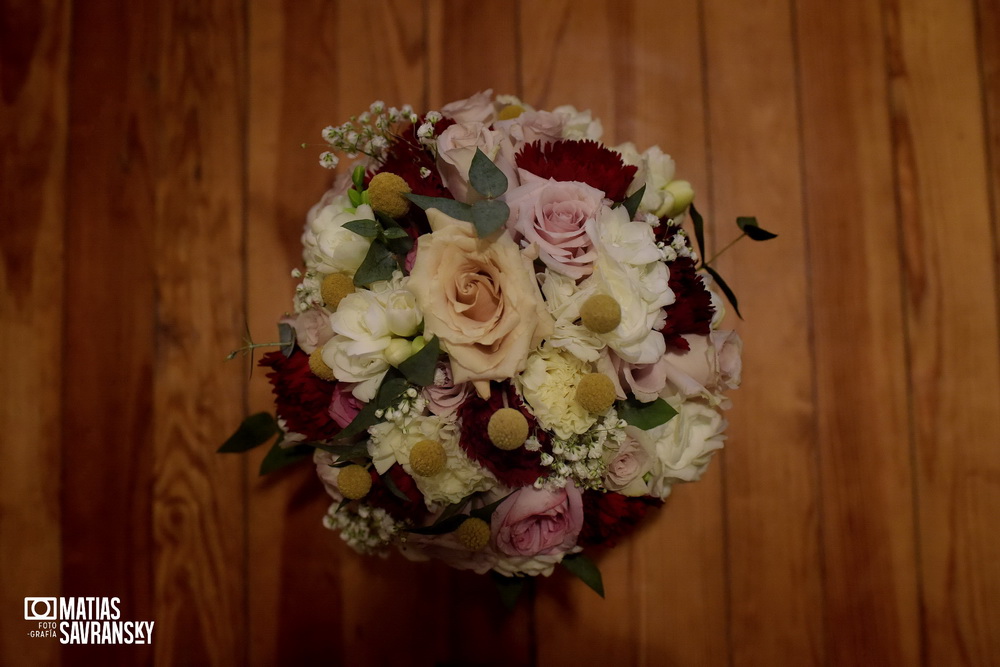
644, 381
444, 396
344, 407
530, 126
629, 463
478, 108
457, 146
711, 366
533, 522
553, 215
312, 329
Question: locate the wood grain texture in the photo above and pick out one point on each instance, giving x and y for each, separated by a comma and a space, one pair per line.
34, 52
870, 588
954, 373
153, 189
773, 556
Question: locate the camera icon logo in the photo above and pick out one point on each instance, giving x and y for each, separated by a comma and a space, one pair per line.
40, 609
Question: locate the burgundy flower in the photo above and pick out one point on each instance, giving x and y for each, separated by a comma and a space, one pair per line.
582, 161
516, 468
301, 398
691, 312
609, 516
382, 496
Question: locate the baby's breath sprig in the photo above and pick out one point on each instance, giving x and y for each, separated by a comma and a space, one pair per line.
369, 133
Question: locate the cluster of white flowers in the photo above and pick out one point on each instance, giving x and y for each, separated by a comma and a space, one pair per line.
581, 458
366, 529
369, 133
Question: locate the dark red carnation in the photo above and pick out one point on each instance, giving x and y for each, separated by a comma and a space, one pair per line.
609, 516
406, 156
301, 398
382, 496
519, 467
583, 161
692, 311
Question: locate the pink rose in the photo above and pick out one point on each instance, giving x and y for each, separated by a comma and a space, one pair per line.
328, 473
534, 522
530, 126
344, 407
552, 215
711, 366
644, 381
629, 463
444, 396
478, 108
312, 329
457, 146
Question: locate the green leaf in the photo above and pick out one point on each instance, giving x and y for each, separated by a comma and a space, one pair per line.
364, 227
485, 177
365, 418
451, 207
699, 230
645, 415
509, 588
346, 453
286, 334
419, 368
725, 289
586, 571
392, 387
631, 204
443, 526
755, 232
280, 457
253, 432
489, 215
395, 236
378, 265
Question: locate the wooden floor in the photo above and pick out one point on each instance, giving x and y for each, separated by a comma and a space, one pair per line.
152, 192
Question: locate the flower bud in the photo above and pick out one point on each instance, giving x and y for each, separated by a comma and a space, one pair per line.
398, 351
683, 195
402, 314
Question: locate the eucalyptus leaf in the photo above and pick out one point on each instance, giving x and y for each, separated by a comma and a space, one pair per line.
392, 387
346, 453
586, 571
486, 512
485, 177
489, 215
286, 334
253, 432
755, 232
699, 230
378, 264
725, 289
509, 588
365, 418
419, 368
364, 227
632, 202
280, 457
645, 415
451, 207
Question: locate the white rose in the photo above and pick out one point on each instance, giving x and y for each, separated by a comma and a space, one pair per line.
327, 246
361, 317
684, 446
402, 313
579, 124
366, 369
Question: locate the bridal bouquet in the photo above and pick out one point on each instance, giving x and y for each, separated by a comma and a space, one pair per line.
504, 349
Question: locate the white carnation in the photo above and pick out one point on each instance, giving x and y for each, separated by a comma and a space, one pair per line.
548, 384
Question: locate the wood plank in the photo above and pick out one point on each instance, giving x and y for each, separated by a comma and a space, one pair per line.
775, 569
198, 496
871, 604
34, 47
109, 351
949, 246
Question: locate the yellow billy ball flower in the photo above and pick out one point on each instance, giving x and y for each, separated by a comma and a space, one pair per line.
334, 288
596, 392
427, 458
508, 429
510, 111
354, 482
601, 313
473, 534
385, 192
319, 367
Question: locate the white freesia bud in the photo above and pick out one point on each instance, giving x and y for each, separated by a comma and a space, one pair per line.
399, 350
683, 195
402, 313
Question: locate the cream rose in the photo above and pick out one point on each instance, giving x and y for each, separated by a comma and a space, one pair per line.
327, 246
480, 298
